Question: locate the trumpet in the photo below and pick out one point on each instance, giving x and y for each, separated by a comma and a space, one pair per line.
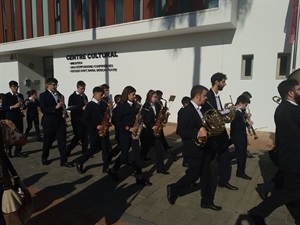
277, 99
250, 129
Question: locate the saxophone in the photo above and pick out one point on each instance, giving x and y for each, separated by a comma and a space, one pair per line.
138, 124
161, 119
105, 122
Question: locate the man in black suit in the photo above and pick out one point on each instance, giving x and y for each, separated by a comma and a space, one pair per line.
190, 128
287, 120
53, 121
12, 104
92, 119
77, 103
219, 143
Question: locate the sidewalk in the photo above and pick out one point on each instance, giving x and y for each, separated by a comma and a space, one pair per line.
64, 197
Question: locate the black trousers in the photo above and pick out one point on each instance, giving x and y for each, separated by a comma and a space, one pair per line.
126, 142
240, 153
55, 133
287, 194
35, 121
198, 168
95, 143
79, 135
106, 149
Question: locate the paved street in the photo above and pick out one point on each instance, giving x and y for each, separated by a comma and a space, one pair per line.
62, 196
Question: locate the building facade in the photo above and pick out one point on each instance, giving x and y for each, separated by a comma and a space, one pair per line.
169, 45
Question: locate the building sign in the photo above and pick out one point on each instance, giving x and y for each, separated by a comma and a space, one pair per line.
89, 62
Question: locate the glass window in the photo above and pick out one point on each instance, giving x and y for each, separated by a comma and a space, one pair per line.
184, 6
283, 65
101, 13
247, 66
85, 14
34, 19
24, 20
71, 15
159, 8
45, 17
211, 4
57, 17
136, 10
119, 11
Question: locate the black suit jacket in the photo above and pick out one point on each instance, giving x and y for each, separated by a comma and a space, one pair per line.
219, 141
149, 116
188, 125
51, 115
32, 108
126, 116
287, 137
10, 100
93, 116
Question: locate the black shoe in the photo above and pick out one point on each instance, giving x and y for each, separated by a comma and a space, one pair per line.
249, 155
258, 220
79, 168
20, 154
228, 186
143, 182
45, 162
211, 206
262, 194
171, 198
185, 164
105, 170
163, 172
173, 155
244, 176
66, 164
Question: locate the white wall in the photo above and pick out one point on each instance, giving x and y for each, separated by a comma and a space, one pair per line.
8, 71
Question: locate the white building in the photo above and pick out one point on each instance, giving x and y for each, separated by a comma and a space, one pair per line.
246, 40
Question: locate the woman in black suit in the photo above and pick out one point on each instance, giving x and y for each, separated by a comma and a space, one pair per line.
125, 121
151, 110
32, 115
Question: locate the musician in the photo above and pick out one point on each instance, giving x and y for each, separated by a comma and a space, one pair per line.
12, 104
184, 101
126, 117
77, 103
32, 114
162, 136
138, 99
190, 128
219, 143
105, 140
287, 121
92, 118
238, 135
150, 113
53, 121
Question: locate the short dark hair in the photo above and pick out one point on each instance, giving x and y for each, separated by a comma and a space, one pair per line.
285, 86
185, 100
51, 80
159, 92
217, 77
126, 91
197, 89
247, 93
138, 98
81, 83
117, 98
104, 86
98, 89
31, 92
242, 99
13, 83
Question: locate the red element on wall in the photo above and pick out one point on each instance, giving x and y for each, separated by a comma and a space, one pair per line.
51, 16
64, 16
9, 21
1, 24
28, 14
39, 18
148, 9
93, 14
128, 11
109, 12
77, 15
172, 7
